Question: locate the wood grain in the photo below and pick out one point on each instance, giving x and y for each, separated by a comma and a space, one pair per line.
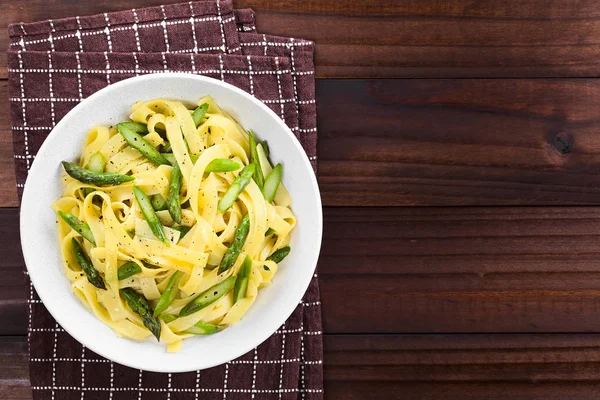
441, 270
442, 142
459, 142
460, 270
422, 366
13, 291
535, 38
14, 374
8, 191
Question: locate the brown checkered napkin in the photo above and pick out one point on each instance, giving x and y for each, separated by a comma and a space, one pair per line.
53, 66
174, 28
245, 20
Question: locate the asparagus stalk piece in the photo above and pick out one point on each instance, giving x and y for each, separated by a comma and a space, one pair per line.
173, 196
239, 238
222, 165
140, 305
241, 283
269, 231
202, 328
237, 187
137, 127
128, 270
279, 255
258, 174
199, 113
183, 229
167, 297
272, 183
167, 318
140, 144
94, 178
96, 163
166, 148
149, 214
208, 297
93, 276
158, 202
80, 227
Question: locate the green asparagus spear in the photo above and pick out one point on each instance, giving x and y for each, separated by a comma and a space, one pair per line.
202, 328
263, 159
199, 113
237, 187
279, 255
93, 276
168, 317
140, 305
272, 183
241, 283
222, 165
149, 214
128, 270
239, 238
137, 127
208, 297
140, 144
265, 147
170, 158
166, 148
269, 231
167, 297
94, 178
80, 227
148, 265
158, 202
96, 163
258, 174
173, 196
183, 229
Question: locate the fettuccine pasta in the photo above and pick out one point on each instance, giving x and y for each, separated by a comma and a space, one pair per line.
172, 222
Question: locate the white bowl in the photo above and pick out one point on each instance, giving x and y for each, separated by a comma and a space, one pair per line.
39, 237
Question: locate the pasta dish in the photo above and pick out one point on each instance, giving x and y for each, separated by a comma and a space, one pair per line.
170, 223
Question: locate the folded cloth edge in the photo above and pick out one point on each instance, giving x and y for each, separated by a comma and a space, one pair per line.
217, 8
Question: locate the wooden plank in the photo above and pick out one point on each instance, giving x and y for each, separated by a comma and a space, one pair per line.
442, 270
14, 374
505, 9
461, 366
464, 390
460, 270
442, 142
560, 366
403, 39
8, 192
13, 291
459, 142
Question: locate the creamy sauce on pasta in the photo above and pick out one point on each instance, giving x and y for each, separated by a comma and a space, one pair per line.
122, 234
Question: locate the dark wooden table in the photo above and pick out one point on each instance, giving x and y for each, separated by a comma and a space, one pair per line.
459, 160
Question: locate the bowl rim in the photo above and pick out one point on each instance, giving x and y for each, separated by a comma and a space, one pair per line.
64, 320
